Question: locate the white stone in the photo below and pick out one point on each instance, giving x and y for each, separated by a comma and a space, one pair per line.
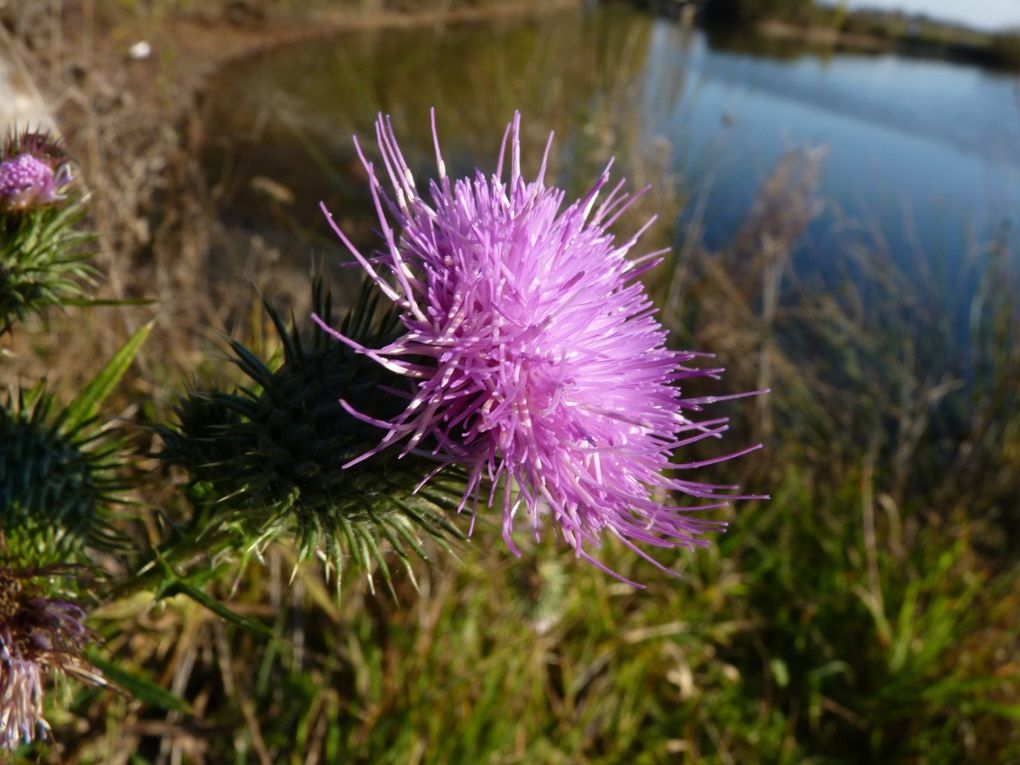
140, 50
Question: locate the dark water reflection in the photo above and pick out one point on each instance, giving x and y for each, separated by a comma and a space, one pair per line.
925, 153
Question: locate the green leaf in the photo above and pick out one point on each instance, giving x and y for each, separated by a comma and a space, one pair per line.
780, 672
1003, 710
142, 688
87, 404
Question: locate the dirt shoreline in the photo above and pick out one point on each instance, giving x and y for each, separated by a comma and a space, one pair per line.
978, 52
188, 50
91, 71
823, 36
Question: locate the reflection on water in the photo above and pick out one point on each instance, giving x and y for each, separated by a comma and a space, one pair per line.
925, 152
290, 116
936, 142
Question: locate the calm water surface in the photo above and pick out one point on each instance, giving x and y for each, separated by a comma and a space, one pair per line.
921, 155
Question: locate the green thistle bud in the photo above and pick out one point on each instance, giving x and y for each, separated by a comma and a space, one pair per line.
57, 481
268, 458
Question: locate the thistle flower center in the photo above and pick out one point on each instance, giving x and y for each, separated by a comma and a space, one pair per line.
27, 181
24, 172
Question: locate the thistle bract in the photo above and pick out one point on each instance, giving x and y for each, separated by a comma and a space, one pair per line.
533, 353
262, 458
34, 170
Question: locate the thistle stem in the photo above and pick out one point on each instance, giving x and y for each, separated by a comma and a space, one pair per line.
154, 573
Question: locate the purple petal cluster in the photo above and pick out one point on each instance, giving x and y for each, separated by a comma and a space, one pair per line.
37, 635
534, 354
27, 181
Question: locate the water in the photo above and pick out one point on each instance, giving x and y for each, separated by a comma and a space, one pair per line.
923, 157
913, 145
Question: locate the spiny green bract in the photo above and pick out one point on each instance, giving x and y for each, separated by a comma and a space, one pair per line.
267, 459
57, 483
43, 260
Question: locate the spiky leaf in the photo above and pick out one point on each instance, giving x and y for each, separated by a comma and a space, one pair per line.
86, 404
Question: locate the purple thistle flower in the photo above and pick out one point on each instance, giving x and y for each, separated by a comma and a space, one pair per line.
37, 635
28, 181
535, 356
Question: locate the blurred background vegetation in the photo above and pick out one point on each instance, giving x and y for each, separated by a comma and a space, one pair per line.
867, 613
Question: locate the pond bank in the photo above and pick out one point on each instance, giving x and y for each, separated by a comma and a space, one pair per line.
187, 47
822, 26
981, 50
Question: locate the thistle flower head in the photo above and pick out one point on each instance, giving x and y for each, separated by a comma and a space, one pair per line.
38, 636
34, 169
43, 257
533, 353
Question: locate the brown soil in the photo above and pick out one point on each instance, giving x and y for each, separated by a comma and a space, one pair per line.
189, 47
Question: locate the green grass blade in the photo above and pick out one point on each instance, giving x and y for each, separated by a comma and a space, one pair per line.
87, 404
178, 586
140, 687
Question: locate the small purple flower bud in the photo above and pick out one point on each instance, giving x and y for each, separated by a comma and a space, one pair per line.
26, 181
